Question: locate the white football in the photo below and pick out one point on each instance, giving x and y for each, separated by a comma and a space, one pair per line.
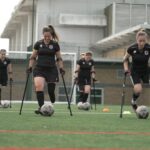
47, 109
5, 104
86, 106
142, 112
80, 105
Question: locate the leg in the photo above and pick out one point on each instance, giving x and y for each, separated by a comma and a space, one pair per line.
39, 87
3, 88
51, 91
81, 93
137, 89
87, 90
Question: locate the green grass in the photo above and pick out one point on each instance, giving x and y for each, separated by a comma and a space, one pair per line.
85, 129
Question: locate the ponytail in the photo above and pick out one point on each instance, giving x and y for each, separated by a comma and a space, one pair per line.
53, 33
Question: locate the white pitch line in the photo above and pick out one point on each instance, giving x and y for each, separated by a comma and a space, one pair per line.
64, 112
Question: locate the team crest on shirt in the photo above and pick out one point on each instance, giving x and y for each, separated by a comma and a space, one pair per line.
4, 62
134, 52
146, 53
90, 63
50, 46
41, 45
83, 62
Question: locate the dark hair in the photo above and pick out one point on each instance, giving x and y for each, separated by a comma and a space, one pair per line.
51, 29
53, 32
46, 29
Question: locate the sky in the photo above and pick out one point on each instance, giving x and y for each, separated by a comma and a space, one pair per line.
6, 9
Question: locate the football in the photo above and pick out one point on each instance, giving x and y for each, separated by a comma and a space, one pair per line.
5, 104
86, 106
47, 109
80, 105
142, 112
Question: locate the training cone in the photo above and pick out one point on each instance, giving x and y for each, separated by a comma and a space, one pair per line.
127, 112
105, 110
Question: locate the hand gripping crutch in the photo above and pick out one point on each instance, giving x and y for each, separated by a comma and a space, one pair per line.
69, 107
24, 92
123, 95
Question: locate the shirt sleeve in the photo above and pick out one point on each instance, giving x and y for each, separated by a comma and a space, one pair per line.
92, 62
57, 47
130, 51
79, 62
36, 46
8, 61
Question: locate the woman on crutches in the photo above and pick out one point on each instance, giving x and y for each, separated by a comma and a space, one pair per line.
140, 53
83, 73
44, 52
5, 70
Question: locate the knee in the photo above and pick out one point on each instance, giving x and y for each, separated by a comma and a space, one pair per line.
138, 89
38, 87
87, 90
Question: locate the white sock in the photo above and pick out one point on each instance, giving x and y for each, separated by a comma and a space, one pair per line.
133, 102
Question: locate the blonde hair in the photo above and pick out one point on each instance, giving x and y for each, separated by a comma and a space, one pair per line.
141, 33
89, 53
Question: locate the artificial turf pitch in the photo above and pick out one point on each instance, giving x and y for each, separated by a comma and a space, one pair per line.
93, 130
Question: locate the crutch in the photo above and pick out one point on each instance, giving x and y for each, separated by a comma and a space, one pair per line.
24, 92
123, 95
72, 90
10, 92
131, 80
69, 107
0, 95
94, 92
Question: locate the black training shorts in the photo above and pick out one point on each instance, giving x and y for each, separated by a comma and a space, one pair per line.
83, 81
3, 79
137, 77
50, 74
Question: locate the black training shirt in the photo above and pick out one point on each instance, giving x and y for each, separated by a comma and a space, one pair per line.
46, 53
85, 67
3, 65
139, 58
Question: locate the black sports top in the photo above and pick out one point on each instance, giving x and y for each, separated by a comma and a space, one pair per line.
4, 64
139, 58
46, 53
85, 67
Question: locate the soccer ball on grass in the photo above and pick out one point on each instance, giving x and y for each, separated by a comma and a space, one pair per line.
80, 105
47, 109
142, 112
83, 106
86, 106
5, 104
